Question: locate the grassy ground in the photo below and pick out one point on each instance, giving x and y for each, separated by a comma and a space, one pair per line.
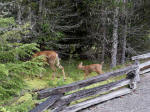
27, 99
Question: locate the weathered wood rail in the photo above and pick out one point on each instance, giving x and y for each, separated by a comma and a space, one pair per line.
143, 67
60, 101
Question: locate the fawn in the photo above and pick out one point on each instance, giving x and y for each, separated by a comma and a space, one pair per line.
87, 69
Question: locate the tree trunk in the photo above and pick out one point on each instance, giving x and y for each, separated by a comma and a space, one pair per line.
124, 43
40, 11
124, 32
19, 14
103, 49
40, 6
104, 35
115, 39
30, 15
104, 43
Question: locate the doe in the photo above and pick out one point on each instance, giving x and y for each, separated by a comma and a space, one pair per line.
51, 57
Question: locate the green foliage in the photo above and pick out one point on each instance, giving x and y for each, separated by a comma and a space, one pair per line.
10, 84
3, 109
15, 33
11, 76
21, 50
22, 107
51, 39
5, 22
60, 82
45, 28
13, 70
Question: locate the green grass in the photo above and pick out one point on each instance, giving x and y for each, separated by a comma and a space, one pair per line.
28, 100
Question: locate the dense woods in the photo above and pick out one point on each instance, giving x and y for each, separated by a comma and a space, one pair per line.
95, 30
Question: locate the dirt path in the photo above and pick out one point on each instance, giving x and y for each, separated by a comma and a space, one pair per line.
138, 101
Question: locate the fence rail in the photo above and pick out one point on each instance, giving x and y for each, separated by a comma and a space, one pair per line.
143, 65
143, 56
58, 101
97, 100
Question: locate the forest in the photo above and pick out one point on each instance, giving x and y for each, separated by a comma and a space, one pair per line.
88, 31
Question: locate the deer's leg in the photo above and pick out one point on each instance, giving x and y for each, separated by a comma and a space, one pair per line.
99, 72
85, 74
62, 68
52, 66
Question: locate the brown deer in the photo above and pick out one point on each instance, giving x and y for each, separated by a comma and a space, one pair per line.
51, 57
87, 69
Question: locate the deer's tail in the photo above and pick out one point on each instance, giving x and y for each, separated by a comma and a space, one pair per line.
58, 62
59, 66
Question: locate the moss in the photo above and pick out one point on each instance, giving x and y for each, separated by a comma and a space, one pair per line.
27, 96
36, 83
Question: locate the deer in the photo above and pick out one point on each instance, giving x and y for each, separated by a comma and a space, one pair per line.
51, 57
87, 69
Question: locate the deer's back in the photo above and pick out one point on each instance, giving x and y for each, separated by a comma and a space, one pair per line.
93, 67
47, 54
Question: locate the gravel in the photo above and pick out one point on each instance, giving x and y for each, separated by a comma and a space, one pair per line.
137, 101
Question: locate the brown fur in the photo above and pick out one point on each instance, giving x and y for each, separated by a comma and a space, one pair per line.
51, 57
87, 69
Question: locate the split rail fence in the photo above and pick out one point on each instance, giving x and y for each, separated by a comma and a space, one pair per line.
59, 100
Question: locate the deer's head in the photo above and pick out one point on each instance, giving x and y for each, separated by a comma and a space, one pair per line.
80, 66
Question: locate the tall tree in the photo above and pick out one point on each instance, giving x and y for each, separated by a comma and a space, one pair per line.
124, 31
115, 38
104, 14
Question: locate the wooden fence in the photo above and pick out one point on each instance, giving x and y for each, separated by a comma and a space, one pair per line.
59, 100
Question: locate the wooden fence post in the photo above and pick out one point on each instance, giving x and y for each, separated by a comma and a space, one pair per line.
137, 72
136, 78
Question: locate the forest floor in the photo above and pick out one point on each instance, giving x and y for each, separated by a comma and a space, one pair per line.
137, 101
